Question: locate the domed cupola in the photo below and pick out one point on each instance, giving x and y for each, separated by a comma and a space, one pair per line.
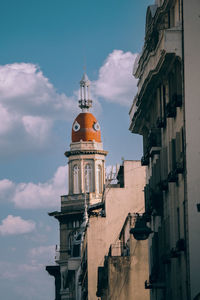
85, 127
86, 157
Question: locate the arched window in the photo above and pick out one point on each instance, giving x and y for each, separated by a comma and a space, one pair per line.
88, 178
70, 243
99, 179
76, 185
74, 241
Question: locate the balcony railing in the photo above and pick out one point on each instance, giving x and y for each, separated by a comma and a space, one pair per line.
115, 249
145, 159
66, 198
154, 138
175, 102
119, 249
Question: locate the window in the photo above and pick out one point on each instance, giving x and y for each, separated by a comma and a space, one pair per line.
70, 243
99, 180
171, 17
88, 178
74, 241
76, 185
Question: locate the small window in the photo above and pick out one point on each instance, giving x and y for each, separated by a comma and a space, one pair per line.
99, 179
76, 180
88, 178
76, 251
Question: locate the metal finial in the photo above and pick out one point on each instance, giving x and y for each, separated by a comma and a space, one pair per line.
85, 103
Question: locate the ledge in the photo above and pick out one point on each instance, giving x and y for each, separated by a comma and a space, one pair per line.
85, 152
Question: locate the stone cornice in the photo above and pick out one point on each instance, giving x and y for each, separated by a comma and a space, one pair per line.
85, 152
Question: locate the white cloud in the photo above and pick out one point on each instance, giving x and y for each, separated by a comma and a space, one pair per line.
42, 250
116, 82
29, 105
31, 195
16, 225
6, 120
26, 91
5, 186
13, 270
42, 255
26, 280
7, 190
27, 78
37, 127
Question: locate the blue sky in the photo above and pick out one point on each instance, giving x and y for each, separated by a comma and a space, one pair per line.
44, 46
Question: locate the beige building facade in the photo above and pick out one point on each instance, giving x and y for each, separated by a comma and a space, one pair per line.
93, 212
166, 112
125, 267
120, 198
86, 167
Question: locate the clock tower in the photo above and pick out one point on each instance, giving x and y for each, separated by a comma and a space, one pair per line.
86, 167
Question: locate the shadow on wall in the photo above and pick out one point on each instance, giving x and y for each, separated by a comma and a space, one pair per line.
197, 297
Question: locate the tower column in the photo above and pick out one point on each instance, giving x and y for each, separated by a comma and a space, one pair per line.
70, 177
95, 175
82, 176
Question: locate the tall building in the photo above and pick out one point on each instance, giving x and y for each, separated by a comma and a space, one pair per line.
125, 266
166, 112
86, 165
105, 224
93, 213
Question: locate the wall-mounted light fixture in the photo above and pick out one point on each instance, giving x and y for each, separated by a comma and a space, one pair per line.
141, 231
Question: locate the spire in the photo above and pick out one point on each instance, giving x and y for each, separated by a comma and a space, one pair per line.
85, 103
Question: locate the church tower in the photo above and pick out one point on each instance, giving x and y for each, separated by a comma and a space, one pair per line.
86, 167
86, 155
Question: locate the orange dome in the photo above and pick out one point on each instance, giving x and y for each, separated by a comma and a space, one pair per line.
86, 128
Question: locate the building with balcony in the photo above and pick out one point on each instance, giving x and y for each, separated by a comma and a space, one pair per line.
125, 267
86, 165
166, 112
93, 212
121, 197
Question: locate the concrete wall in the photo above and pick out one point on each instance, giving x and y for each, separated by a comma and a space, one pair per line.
128, 274
192, 118
104, 231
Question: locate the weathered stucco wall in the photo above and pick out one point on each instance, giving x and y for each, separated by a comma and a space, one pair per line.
128, 274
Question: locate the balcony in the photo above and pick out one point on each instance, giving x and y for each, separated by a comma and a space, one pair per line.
154, 191
153, 145
169, 43
150, 286
175, 102
153, 201
119, 249
67, 198
154, 142
180, 247
75, 202
145, 159
61, 254
161, 122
